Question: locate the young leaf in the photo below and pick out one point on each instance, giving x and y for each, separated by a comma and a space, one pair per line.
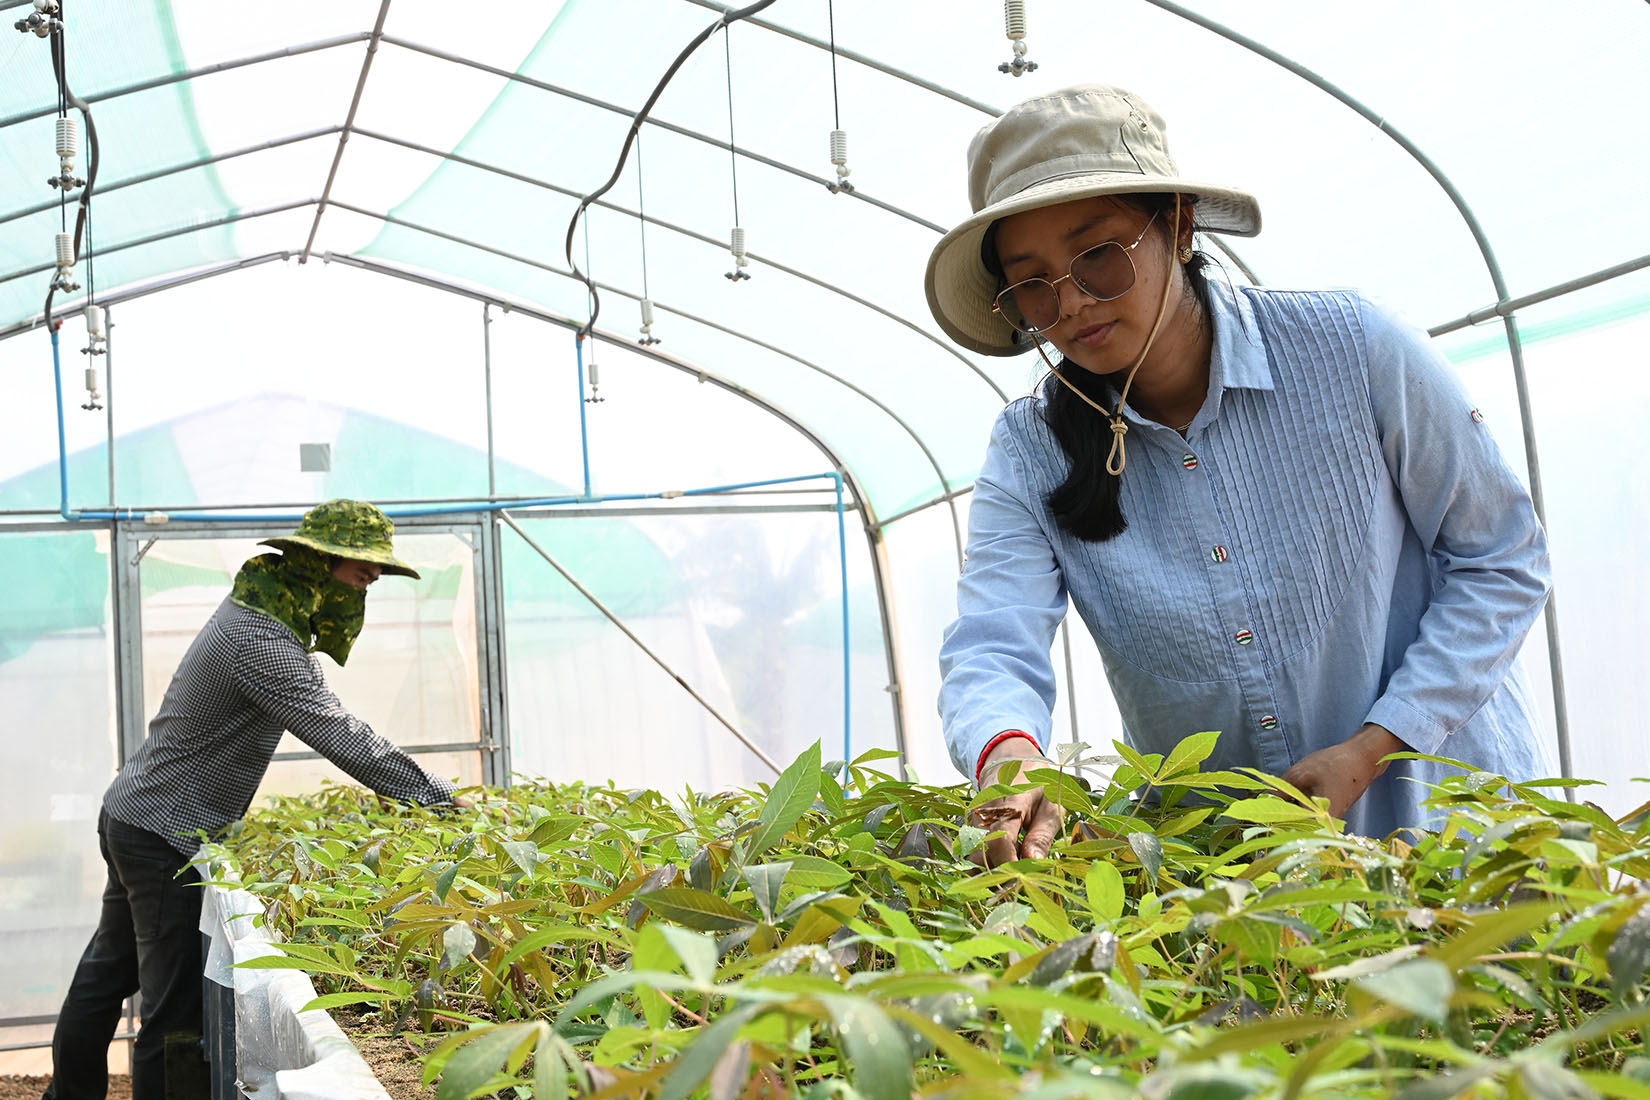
524, 854
697, 952
1149, 850
444, 881
765, 881
456, 942
331, 1001
481, 1058
789, 799
1104, 887
1191, 752
1419, 986
695, 1063
696, 909
875, 1049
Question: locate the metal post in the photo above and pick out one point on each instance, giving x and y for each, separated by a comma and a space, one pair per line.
496, 765
1071, 679
109, 396
487, 382
128, 612
847, 647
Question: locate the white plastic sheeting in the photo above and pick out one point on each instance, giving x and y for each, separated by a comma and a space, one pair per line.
283, 1053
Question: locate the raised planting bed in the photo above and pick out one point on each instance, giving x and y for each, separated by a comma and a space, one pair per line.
1218, 937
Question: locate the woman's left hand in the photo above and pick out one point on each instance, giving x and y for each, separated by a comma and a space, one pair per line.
1343, 772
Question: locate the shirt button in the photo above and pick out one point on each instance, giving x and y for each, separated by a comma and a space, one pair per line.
1243, 637
1268, 721
1218, 553
1189, 461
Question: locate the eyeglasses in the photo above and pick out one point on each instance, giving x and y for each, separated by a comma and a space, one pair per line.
1104, 272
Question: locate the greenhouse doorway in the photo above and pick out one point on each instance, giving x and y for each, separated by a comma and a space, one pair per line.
425, 672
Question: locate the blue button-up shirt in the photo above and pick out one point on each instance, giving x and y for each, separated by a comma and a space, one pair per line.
1337, 540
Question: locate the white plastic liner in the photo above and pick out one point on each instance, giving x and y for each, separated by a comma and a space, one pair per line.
281, 1052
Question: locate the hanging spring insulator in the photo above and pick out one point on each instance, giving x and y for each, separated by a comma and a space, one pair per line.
65, 263
92, 396
1014, 24
68, 140
94, 331
648, 339
839, 157
68, 147
594, 374
740, 261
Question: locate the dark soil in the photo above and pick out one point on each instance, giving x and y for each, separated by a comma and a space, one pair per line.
394, 1059
30, 1088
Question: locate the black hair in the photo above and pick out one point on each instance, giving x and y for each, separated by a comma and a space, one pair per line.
1087, 504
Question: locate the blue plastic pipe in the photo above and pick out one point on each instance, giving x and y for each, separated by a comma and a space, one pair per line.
62, 444
584, 430
491, 506
847, 653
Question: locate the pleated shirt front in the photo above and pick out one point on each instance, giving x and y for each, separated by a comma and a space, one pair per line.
1336, 540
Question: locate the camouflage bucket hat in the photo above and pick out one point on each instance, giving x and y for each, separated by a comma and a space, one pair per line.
348, 529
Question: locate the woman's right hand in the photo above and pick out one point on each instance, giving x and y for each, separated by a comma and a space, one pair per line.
1028, 821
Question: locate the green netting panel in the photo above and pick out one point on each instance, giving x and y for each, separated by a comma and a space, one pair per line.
136, 133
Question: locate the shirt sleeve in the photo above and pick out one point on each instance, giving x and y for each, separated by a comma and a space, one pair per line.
996, 673
283, 681
1477, 524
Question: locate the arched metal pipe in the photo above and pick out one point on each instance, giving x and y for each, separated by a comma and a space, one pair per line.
1514, 344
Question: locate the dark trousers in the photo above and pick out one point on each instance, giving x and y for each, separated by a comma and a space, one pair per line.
148, 940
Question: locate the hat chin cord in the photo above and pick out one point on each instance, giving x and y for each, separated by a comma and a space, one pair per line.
1118, 457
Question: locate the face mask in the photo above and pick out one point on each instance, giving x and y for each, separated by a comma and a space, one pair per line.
297, 589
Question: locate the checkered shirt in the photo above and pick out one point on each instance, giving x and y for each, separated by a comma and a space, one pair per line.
244, 680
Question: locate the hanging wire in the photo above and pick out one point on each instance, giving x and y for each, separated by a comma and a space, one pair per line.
641, 213
647, 338
733, 157
630, 137
67, 99
590, 294
736, 240
839, 136
836, 104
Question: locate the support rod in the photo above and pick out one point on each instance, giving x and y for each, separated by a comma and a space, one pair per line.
141, 290
349, 123
616, 621
227, 219
1510, 306
672, 127
174, 169
714, 242
191, 74
487, 386
879, 566
1515, 345
939, 472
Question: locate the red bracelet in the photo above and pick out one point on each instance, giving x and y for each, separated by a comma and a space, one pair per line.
994, 742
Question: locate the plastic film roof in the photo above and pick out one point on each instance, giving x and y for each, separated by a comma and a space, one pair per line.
455, 169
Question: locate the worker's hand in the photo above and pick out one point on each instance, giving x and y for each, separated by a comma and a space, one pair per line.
1343, 772
1029, 822
462, 803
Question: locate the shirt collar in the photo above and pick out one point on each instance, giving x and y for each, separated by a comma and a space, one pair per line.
1238, 358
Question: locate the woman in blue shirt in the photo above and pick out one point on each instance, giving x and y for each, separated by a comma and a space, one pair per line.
1275, 510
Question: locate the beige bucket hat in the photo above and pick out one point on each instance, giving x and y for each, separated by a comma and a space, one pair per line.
1075, 143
